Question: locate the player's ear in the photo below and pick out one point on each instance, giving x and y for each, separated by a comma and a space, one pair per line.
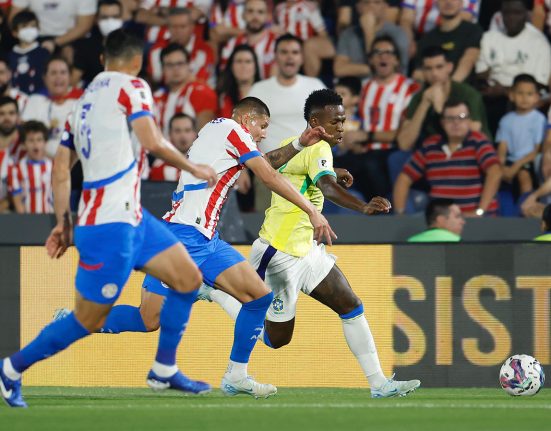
102, 59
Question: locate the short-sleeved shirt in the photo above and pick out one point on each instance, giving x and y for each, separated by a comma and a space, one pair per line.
351, 44
193, 99
224, 145
466, 35
57, 17
522, 133
301, 18
458, 91
458, 175
506, 57
5, 166
435, 235
286, 227
32, 180
111, 156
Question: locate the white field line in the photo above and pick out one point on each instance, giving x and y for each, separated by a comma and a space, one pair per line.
267, 406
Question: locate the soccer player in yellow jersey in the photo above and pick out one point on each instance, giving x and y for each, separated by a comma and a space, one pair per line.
289, 260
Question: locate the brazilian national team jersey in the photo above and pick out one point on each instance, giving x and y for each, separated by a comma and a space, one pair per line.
286, 227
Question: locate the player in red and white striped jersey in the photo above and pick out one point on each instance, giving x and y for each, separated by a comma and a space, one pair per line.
182, 133
302, 18
421, 16
201, 55
30, 179
154, 13
182, 93
256, 35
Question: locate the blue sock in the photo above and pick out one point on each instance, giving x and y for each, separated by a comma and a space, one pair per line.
174, 317
55, 337
248, 325
123, 318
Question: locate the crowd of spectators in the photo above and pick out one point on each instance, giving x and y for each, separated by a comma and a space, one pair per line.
445, 99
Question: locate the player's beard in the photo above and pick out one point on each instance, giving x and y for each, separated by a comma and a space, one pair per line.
255, 30
450, 16
6, 131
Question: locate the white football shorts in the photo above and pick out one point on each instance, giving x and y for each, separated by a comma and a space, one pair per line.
287, 275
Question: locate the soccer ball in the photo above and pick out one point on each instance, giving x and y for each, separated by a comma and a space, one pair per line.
521, 375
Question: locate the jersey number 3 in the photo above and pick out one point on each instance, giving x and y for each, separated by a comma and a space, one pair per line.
85, 131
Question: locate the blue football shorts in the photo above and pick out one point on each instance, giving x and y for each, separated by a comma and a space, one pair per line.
109, 252
212, 256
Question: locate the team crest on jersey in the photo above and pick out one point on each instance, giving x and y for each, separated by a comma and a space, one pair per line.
277, 305
109, 290
324, 164
136, 83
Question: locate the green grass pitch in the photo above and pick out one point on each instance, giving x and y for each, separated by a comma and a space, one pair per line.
85, 409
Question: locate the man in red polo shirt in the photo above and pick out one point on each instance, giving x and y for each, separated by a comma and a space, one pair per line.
462, 165
182, 93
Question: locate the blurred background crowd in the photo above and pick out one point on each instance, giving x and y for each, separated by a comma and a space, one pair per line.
445, 99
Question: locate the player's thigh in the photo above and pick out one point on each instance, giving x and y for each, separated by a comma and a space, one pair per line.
335, 292
106, 260
163, 256
90, 314
242, 282
175, 268
283, 274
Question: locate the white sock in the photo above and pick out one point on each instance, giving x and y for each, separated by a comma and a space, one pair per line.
361, 343
228, 303
236, 371
9, 371
163, 370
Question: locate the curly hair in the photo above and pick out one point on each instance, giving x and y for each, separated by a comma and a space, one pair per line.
319, 99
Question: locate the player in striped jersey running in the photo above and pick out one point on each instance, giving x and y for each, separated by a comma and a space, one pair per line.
114, 235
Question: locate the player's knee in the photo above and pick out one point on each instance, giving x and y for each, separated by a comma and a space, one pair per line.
151, 320
280, 341
351, 304
186, 281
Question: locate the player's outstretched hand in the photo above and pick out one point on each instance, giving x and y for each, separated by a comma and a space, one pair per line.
322, 230
205, 172
59, 240
378, 205
344, 178
312, 136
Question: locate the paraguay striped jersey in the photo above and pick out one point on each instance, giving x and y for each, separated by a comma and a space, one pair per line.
99, 130
32, 179
224, 145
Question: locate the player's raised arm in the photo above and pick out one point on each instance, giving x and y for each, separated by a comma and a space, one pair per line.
310, 136
152, 140
280, 185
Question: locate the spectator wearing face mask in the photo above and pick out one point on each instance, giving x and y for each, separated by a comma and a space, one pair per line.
87, 63
27, 58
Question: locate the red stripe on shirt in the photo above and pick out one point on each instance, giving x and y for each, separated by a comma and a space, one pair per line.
239, 145
124, 100
222, 182
91, 219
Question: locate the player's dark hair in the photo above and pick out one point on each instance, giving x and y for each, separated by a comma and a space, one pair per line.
286, 38
7, 100
525, 78
173, 47
523, 2
388, 39
123, 45
437, 207
252, 104
180, 116
546, 217
33, 126
353, 83
434, 51
318, 100
23, 18
111, 3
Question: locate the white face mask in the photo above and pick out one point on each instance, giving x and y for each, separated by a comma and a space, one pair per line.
28, 34
108, 25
